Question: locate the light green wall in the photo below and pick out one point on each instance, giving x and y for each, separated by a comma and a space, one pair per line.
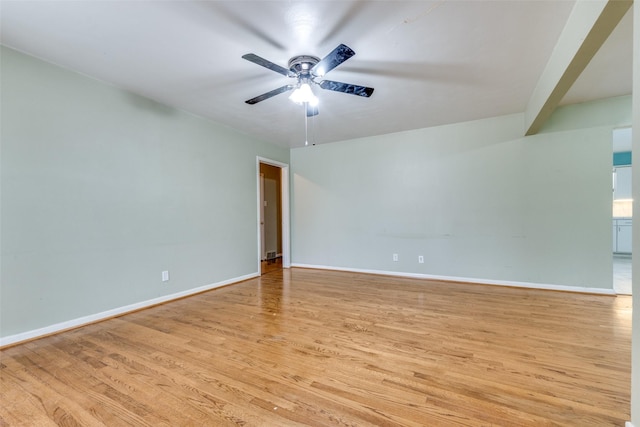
476, 199
607, 113
102, 190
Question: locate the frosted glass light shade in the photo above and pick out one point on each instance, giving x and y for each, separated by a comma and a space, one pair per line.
304, 94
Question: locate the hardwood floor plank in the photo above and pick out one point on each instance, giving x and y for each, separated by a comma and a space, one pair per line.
28, 412
306, 347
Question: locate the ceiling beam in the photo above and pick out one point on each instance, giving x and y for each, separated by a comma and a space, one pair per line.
589, 25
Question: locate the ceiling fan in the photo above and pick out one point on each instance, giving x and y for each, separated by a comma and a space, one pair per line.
306, 69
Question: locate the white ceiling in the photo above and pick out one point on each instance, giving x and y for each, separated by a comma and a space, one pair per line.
430, 62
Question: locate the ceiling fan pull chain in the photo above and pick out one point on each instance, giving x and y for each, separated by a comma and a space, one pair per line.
306, 118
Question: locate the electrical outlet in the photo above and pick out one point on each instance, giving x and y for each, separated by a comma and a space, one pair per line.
395, 257
165, 276
421, 259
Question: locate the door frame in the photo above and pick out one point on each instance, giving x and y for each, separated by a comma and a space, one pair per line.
286, 223
263, 253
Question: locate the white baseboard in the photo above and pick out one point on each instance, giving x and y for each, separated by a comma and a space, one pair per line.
93, 318
529, 285
628, 424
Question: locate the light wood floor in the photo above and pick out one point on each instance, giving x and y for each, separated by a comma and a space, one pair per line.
307, 347
269, 266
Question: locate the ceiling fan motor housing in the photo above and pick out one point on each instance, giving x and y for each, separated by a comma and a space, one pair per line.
301, 65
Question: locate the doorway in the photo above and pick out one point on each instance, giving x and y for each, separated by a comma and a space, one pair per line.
622, 211
273, 215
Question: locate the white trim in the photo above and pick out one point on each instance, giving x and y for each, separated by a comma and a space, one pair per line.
628, 424
286, 222
529, 285
93, 318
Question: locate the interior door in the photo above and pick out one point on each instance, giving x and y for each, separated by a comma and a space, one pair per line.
272, 180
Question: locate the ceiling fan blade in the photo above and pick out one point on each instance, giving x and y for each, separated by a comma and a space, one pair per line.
266, 64
269, 94
311, 110
347, 88
332, 60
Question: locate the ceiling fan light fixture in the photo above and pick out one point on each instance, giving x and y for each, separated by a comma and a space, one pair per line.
303, 94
